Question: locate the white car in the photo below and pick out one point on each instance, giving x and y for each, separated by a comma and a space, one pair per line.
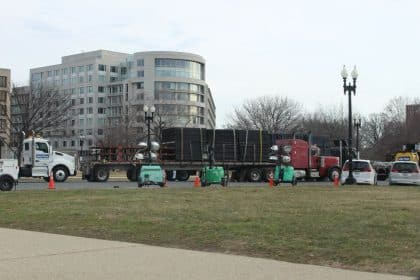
363, 172
404, 172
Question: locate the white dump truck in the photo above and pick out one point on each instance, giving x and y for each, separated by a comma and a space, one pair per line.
39, 160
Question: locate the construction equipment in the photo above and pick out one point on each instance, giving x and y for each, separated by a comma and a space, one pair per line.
213, 174
409, 152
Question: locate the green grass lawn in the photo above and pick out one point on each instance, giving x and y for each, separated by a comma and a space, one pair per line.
364, 228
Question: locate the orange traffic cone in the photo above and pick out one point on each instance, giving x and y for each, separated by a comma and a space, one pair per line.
197, 182
51, 185
270, 182
336, 181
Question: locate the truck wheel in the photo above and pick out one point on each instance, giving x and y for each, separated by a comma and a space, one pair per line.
102, 174
60, 174
6, 184
161, 185
335, 171
132, 174
254, 175
170, 175
182, 175
139, 185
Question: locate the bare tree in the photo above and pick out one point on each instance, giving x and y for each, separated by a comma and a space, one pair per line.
36, 109
272, 113
330, 121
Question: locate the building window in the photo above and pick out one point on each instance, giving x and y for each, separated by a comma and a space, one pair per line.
90, 89
82, 101
114, 69
73, 122
89, 67
101, 100
101, 78
56, 72
179, 68
64, 71
90, 141
90, 100
73, 70
89, 78
140, 73
123, 70
140, 62
81, 69
140, 85
3, 81
64, 143
101, 110
101, 89
80, 79
100, 131
72, 143
101, 67
81, 90
73, 102
3, 96
90, 110
49, 73
81, 111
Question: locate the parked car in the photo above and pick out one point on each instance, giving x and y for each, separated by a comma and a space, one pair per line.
363, 172
404, 172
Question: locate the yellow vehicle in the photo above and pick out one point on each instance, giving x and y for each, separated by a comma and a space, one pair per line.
410, 152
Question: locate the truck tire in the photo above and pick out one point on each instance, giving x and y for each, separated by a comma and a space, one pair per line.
60, 174
132, 174
170, 175
101, 174
6, 183
254, 175
182, 175
333, 172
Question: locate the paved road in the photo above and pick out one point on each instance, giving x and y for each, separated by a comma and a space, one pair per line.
77, 183
33, 255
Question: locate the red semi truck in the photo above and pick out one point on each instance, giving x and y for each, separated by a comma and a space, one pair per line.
246, 159
307, 161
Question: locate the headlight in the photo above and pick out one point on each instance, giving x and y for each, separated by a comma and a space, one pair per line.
287, 149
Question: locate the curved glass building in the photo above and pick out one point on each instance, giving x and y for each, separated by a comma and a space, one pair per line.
108, 91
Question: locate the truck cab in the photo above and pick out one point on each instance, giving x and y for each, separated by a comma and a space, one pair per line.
307, 161
39, 160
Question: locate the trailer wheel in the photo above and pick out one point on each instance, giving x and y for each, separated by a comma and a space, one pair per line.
101, 174
254, 175
60, 174
6, 184
182, 175
170, 175
132, 174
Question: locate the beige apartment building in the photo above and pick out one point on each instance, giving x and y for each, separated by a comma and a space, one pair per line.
108, 91
4, 112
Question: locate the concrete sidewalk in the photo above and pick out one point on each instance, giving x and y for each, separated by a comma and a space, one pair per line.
33, 255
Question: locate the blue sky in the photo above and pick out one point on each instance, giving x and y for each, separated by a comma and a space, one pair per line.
252, 48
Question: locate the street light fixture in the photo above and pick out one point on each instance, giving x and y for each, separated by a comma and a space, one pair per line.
350, 88
357, 125
148, 116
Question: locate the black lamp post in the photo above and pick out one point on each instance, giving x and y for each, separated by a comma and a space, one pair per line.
357, 125
148, 116
82, 139
350, 88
